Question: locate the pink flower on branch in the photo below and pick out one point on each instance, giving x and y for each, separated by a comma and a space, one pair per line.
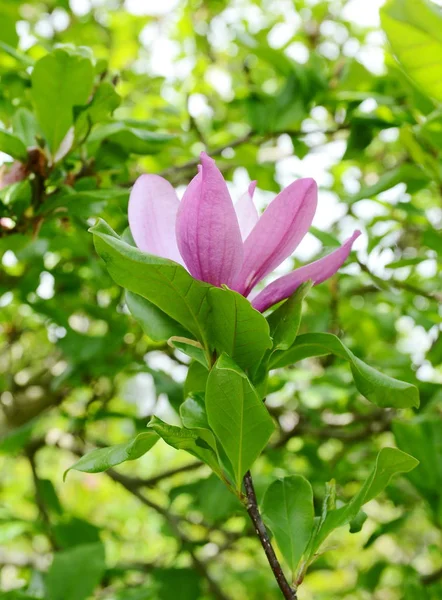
222, 243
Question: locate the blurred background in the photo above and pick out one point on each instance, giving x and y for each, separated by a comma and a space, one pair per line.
274, 90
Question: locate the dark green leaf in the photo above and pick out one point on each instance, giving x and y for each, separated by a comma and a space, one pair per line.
376, 387
155, 323
75, 573
163, 282
284, 321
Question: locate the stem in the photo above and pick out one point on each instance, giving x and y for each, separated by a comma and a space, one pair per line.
252, 508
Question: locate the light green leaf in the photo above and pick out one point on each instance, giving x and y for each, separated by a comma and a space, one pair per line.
101, 459
12, 145
190, 347
75, 573
161, 281
197, 442
380, 389
25, 126
193, 413
154, 322
389, 462
237, 416
289, 512
284, 321
236, 328
60, 80
414, 30
8, 32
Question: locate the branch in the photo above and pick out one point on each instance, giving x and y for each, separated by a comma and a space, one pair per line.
431, 577
153, 481
44, 514
260, 528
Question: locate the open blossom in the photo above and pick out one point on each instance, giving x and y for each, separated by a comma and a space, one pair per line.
222, 243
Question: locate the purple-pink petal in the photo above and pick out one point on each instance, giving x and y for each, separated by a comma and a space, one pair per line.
246, 211
152, 211
317, 271
277, 233
207, 229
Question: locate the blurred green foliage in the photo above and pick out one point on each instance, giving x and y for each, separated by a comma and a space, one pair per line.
273, 90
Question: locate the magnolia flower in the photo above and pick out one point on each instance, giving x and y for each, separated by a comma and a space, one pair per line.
222, 243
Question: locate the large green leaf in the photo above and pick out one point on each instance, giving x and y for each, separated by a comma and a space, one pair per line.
60, 80
198, 442
12, 145
389, 462
101, 459
380, 389
76, 572
289, 512
161, 281
237, 416
414, 30
236, 328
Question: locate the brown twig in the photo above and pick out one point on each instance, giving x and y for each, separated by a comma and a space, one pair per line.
252, 508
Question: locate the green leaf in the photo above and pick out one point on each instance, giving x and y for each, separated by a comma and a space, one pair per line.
103, 104
193, 413
289, 512
136, 140
196, 379
12, 145
414, 30
237, 416
197, 442
8, 32
380, 389
236, 328
191, 348
158, 326
412, 175
285, 321
60, 81
25, 126
422, 437
75, 573
101, 459
389, 462
161, 281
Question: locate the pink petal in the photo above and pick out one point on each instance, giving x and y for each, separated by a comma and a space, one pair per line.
207, 229
317, 271
278, 232
246, 211
152, 211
